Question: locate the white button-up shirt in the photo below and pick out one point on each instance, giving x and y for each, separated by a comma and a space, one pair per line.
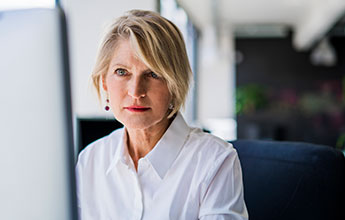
188, 175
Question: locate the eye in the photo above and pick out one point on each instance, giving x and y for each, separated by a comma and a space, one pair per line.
153, 75
120, 72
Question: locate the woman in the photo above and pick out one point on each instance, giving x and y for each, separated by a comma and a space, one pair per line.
156, 167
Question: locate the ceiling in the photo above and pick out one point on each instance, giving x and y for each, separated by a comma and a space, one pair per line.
309, 20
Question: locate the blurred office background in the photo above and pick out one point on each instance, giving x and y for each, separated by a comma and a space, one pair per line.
263, 69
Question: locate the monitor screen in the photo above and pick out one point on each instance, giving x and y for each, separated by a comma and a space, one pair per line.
36, 150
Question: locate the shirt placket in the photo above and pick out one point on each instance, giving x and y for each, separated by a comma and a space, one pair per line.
138, 198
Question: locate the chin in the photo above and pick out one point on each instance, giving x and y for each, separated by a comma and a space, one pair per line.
137, 126
133, 122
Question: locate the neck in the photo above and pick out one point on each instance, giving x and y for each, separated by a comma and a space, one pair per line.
141, 141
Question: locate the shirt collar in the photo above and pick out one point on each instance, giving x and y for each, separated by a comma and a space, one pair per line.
163, 154
121, 153
168, 147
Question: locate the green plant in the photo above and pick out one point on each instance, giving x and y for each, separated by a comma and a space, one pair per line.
250, 98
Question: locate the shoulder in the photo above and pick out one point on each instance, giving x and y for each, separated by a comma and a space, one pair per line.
210, 145
101, 148
209, 154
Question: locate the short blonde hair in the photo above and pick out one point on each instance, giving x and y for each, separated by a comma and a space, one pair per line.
159, 45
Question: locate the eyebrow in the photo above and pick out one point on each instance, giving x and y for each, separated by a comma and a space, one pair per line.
119, 64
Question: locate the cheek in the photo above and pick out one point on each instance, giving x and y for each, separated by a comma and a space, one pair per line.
163, 98
115, 88
115, 93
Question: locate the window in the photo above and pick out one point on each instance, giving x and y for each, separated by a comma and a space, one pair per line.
170, 10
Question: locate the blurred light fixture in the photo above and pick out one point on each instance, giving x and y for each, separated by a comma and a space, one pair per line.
261, 30
22, 4
323, 54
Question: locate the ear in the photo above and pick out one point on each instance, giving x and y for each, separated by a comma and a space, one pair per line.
104, 84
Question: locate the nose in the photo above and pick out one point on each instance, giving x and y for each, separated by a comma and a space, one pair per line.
137, 88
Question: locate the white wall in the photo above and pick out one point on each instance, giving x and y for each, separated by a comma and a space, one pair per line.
216, 82
86, 20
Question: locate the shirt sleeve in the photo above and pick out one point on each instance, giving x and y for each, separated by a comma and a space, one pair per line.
223, 197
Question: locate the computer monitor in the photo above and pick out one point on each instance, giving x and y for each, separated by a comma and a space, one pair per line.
36, 146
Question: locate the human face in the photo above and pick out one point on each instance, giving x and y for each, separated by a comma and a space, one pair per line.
138, 97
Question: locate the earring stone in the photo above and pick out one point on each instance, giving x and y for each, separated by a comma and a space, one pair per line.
107, 108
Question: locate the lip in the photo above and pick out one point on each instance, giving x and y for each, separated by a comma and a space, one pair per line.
136, 108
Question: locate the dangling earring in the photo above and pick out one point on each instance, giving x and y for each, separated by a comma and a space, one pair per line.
171, 106
107, 105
